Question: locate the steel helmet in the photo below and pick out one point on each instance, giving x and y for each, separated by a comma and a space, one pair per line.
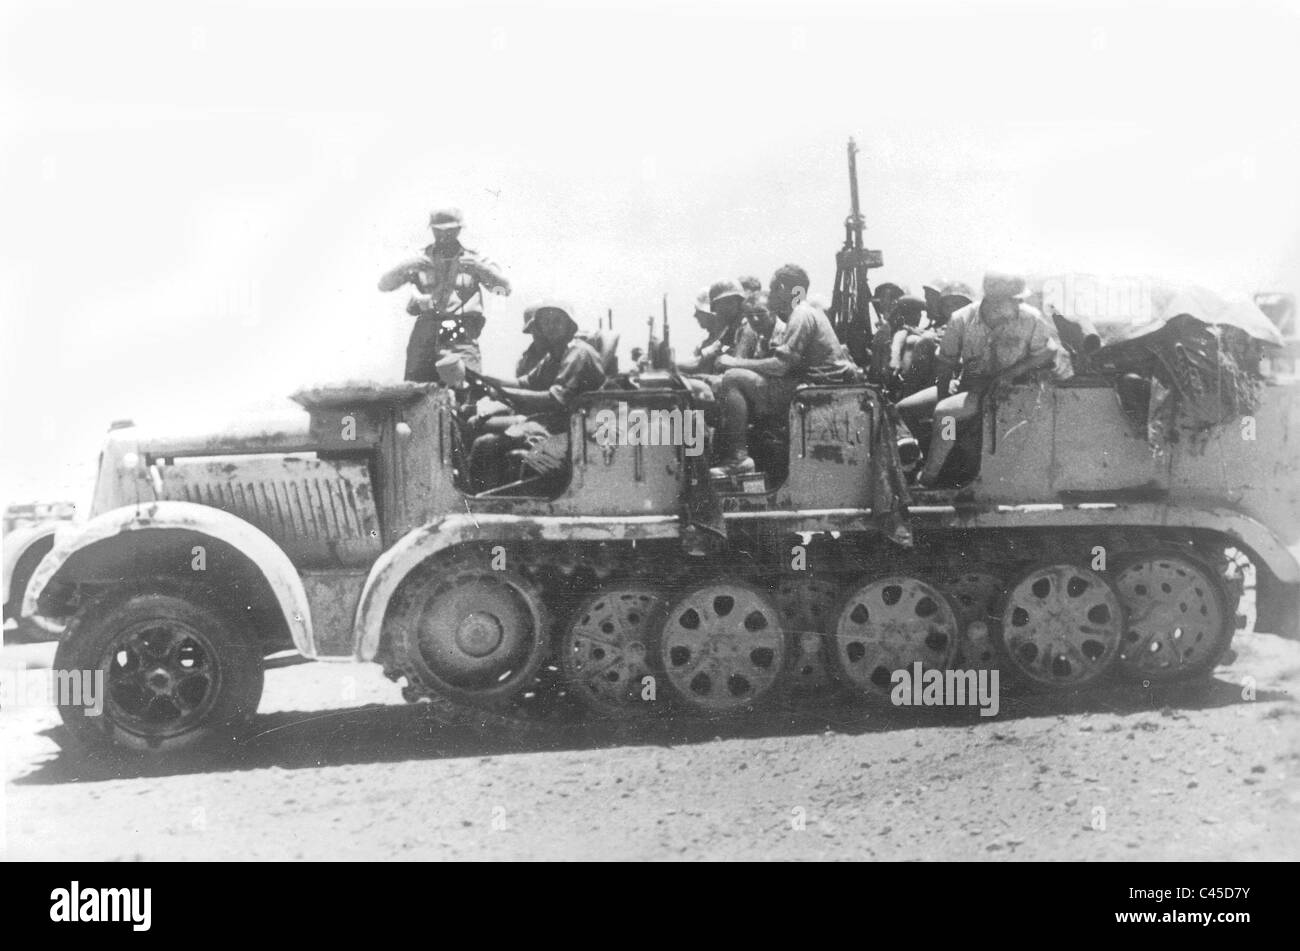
726, 288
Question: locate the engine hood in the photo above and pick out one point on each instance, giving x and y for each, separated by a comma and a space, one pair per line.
347, 417
289, 431
124, 476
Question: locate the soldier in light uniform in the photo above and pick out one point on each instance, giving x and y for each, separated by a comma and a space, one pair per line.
805, 350
698, 362
994, 342
761, 328
448, 307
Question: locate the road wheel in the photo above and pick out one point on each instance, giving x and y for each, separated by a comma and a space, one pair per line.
888, 625
1178, 625
604, 652
177, 675
1061, 627
722, 648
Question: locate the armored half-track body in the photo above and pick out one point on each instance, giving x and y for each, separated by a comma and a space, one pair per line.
628, 585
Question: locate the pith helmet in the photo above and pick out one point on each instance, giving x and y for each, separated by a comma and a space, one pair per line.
946, 287
446, 218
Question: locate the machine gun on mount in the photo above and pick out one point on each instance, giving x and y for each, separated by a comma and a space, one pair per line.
850, 311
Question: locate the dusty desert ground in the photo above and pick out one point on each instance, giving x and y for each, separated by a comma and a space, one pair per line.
340, 768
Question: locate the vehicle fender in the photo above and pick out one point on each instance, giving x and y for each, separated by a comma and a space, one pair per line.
275, 566
17, 543
422, 543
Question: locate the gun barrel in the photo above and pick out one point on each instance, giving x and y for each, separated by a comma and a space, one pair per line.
855, 214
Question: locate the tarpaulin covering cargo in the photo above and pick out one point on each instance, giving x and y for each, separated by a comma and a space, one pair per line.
1122, 309
1189, 356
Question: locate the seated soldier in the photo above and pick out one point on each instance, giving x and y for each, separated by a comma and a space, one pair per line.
805, 350
710, 324
912, 350
761, 327
725, 329
552, 372
995, 342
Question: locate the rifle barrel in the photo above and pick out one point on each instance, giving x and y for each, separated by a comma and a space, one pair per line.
666, 344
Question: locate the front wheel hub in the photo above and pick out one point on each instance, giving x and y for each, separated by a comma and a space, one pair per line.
162, 678
479, 634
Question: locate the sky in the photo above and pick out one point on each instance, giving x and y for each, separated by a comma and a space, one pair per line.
196, 200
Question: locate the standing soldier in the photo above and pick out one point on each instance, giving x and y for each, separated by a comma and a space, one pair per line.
448, 308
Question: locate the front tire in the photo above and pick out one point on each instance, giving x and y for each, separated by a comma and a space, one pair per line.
171, 674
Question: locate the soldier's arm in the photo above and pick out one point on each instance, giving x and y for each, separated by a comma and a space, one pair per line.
768, 366
1032, 361
746, 344
419, 304
531, 401
402, 274
949, 355
496, 381
787, 350
487, 274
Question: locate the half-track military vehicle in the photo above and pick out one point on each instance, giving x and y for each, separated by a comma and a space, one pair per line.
629, 585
